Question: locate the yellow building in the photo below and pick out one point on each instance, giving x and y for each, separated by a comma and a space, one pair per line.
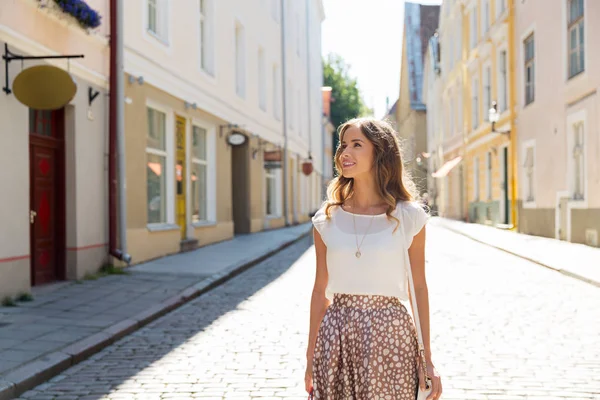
477, 77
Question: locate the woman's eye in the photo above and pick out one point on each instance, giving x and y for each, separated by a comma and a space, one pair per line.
356, 144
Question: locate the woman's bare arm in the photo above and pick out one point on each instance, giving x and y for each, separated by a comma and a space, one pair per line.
416, 254
318, 303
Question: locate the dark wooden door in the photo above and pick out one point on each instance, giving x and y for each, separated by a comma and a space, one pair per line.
47, 196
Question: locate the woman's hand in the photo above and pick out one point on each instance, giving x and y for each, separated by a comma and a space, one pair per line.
436, 381
308, 377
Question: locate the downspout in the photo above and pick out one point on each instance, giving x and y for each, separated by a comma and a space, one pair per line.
117, 210
308, 102
513, 107
284, 117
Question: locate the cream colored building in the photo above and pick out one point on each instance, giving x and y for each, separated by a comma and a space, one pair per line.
201, 78
420, 23
53, 163
558, 79
432, 97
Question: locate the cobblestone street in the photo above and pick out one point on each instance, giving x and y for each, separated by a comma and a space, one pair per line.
503, 328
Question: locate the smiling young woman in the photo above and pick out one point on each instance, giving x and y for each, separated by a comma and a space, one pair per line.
370, 242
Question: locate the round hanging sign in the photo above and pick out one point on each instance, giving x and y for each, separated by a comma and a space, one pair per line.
236, 139
44, 87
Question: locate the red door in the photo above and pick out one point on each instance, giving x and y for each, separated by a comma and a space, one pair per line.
47, 203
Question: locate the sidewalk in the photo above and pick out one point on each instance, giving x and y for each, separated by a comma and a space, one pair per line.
67, 323
573, 259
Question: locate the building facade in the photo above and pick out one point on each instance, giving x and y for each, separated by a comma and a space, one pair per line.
212, 104
557, 86
420, 23
54, 217
480, 158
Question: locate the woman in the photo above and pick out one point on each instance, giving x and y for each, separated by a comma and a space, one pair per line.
363, 345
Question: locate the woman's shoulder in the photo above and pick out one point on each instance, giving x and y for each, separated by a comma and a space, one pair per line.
411, 206
321, 214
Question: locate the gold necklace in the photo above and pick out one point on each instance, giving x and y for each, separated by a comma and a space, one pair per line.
358, 253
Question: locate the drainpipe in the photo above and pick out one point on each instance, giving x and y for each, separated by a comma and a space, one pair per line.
311, 195
284, 117
117, 211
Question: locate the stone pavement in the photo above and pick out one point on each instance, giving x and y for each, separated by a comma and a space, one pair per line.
573, 259
70, 321
503, 328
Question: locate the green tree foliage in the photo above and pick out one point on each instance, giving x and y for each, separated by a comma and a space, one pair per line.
346, 100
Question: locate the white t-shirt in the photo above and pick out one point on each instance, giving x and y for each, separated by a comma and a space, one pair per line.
381, 267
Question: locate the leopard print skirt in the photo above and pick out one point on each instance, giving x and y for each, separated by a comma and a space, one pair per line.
366, 349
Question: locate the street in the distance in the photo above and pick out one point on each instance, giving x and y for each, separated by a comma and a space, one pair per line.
503, 328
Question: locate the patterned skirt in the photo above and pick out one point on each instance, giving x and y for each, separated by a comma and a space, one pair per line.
366, 349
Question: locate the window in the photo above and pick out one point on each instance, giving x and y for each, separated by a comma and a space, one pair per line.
276, 93
199, 176
503, 84
578, 162
157, 23
529, 166
240, 61
528, 45
451, 125
272, 186
473, 30
156, 162
298, 37
487, 91
276, 10
576, 37
476, 179
205, 22
475, 104
290, 98
500, 6
262, 80
488, 174
299, 113
486, 16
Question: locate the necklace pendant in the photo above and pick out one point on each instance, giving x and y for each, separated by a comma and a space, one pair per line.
357, 254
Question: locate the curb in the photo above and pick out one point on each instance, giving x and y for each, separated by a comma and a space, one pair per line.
38, 371
562, 271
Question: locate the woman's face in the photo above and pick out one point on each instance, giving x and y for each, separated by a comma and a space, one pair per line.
356, 157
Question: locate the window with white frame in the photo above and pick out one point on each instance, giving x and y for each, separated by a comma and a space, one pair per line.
488, 174
156, 163
158, 19
199, 175
476, 179
276, 10
475, 104
500, 7
290, 98
240, 61
529, 166
528, 50
205, 22
276, 93
503, 82
473, 29
575, 29
487, 91
298, 36
273, 194
486, 16
299, 113
451, 124
578, 161
262, 79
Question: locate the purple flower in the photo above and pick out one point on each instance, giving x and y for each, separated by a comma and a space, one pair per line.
79, 9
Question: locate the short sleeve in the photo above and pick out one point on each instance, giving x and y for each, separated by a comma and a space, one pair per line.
321, 223
415, 218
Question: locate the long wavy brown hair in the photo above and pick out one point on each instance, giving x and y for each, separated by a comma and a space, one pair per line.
394, 182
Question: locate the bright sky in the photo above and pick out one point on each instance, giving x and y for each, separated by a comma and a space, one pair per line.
368, 35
